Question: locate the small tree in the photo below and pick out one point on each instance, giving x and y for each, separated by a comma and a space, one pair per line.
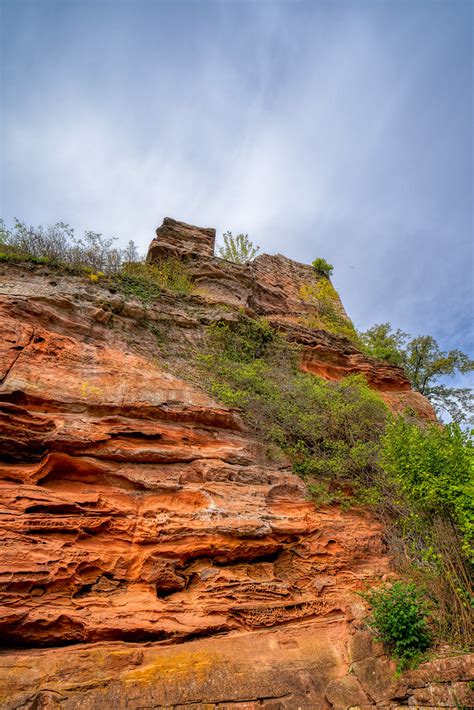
238, 249
130, 253
425, 364
322, 268
383, 343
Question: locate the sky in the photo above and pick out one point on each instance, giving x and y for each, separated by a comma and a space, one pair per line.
334, 129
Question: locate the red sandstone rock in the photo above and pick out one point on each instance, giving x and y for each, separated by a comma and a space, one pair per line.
179, 239
271, 286
134, 508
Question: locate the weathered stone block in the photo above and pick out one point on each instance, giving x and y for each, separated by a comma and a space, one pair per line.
179, 239
346, 693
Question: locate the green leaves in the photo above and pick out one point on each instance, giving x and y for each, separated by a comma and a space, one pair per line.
146, 280
433, 466
329, 314
424, 364
322, 267
399, 618
238, 249
383, 343
328, 429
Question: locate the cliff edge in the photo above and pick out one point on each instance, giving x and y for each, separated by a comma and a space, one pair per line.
153, 555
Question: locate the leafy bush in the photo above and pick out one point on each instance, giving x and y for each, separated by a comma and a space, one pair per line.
147, 280
322, 268
399, 618
238, 249
430, 509
433, 467
329, 315
57, 245
383, 343
329, 429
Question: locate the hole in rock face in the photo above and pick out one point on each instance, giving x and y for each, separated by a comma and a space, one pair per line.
79, 470
253, 556
62, 631
63, 466
38, 338
83, 591
101, 583
125, 434
163, 593
15, 397
57, 509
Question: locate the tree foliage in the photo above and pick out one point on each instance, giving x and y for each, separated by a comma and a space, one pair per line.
425, 365
238, 249
322, 267
433, 466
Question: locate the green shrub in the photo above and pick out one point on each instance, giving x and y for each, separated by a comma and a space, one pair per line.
322, 267
433, 467
328, 429
147, 280
238, 249
383, 343
328, 316
399, 618
430, 509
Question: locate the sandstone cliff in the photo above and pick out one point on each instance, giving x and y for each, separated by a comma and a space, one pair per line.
152, 555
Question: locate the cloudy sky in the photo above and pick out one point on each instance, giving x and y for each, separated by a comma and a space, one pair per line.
334, 129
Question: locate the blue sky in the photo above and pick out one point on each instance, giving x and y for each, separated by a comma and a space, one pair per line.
334, 129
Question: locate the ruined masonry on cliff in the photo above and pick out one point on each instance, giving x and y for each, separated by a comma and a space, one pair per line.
152, 555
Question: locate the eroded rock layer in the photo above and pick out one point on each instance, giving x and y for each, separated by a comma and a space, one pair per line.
137, 514
135, 505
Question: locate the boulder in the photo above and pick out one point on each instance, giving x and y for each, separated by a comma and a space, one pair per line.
178, 239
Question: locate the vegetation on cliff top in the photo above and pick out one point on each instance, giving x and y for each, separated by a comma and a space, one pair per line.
328, 313
322, 267
238, 249
95, 257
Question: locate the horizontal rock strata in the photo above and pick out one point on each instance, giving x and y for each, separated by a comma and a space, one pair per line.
152, 554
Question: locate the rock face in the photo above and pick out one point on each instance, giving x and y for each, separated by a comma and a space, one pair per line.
271, 286
153, 555
179, 239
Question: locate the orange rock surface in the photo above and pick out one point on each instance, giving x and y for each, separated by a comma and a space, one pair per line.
152, 554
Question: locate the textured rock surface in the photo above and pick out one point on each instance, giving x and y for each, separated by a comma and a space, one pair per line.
270, 286
179, 239
151, 554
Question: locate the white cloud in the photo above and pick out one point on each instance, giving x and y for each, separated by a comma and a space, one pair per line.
317, 131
